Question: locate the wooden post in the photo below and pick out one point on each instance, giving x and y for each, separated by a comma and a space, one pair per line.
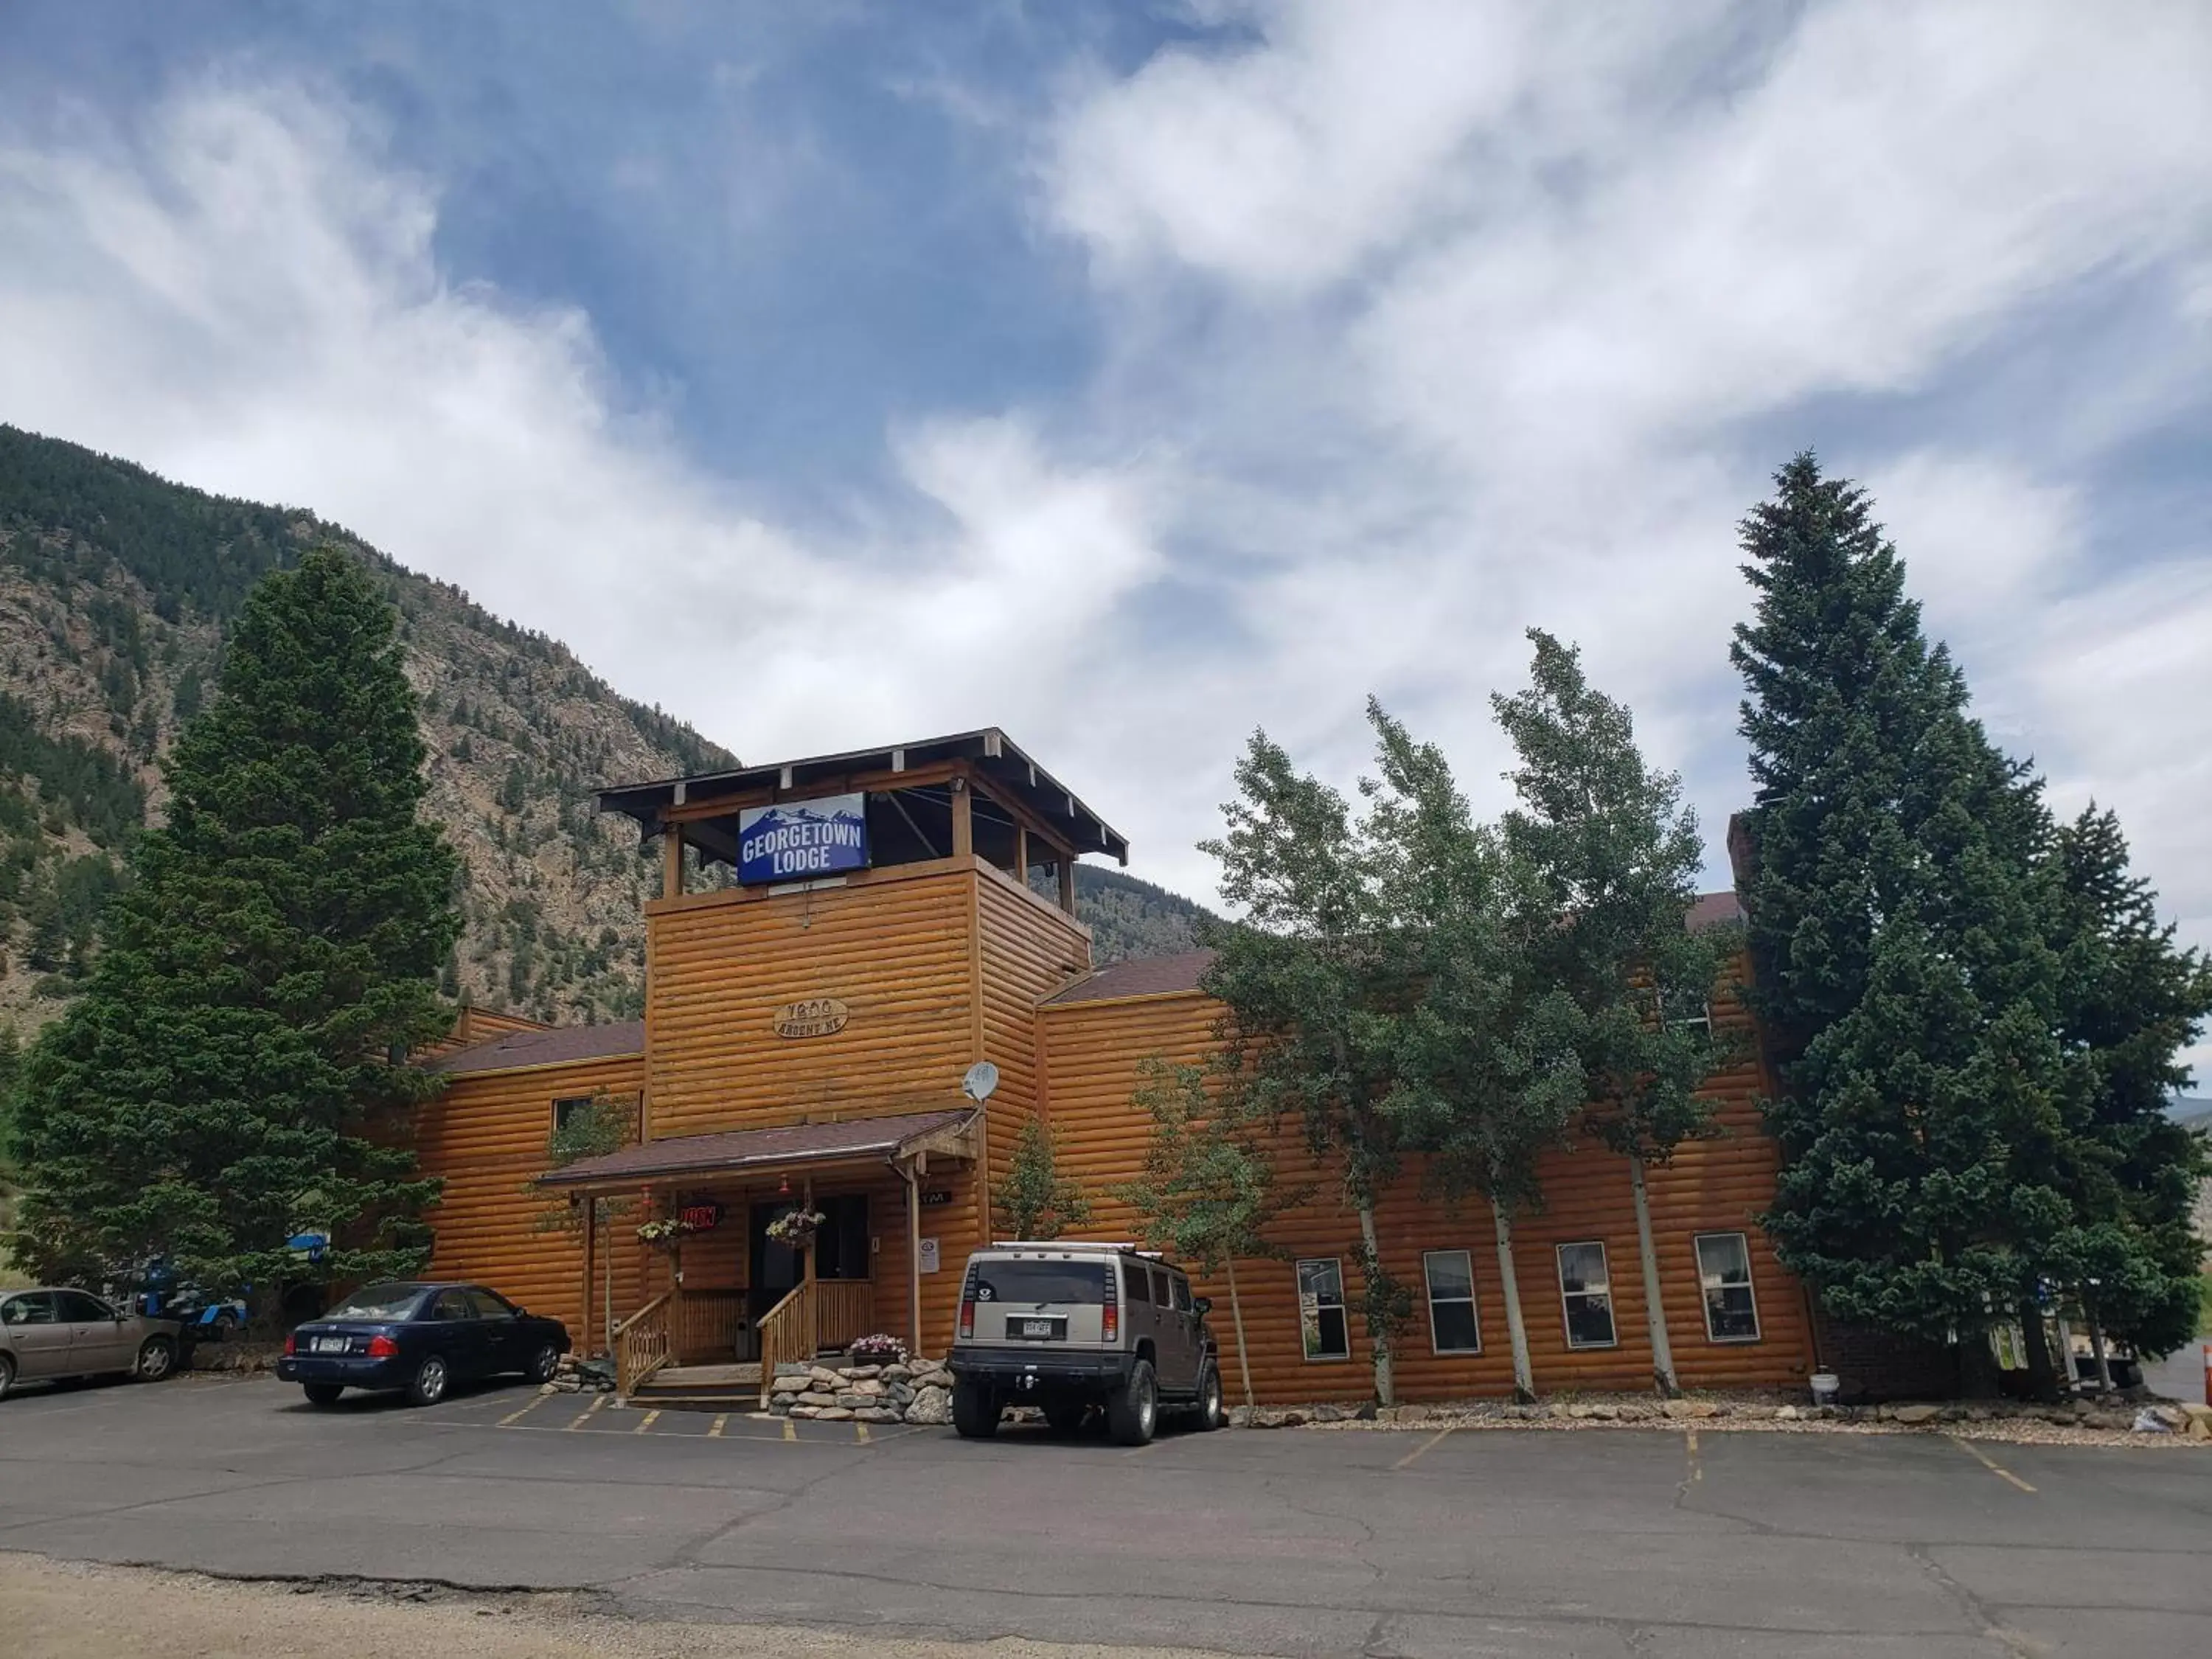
671, 861
912, 1172
963, 820
591, 1248
1067, 883
1022, 855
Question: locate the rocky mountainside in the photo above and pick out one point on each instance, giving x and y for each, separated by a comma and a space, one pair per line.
115, 588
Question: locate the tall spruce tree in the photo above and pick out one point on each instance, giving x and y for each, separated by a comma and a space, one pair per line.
234, 1070
2131, 1002
1312, 985
1615, 857
1900, 903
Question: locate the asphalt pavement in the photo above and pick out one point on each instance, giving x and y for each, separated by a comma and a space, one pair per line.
1397, 1545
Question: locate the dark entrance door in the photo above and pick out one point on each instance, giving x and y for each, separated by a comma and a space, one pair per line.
774, 1270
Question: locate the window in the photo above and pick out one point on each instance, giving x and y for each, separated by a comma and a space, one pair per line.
565, 1111
1179, 1287
1452, 1325
1587, 1290
36, 1309
389, 1300
1137, 1282
78, 1309
1725, 1274
1078, 1283
452, 1304
1161, 1294
1321, 1322
489, 1304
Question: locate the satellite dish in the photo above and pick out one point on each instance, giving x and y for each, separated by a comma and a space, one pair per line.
983, 1078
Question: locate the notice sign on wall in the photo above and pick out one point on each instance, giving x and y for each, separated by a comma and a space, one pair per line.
927, 1259
794, 839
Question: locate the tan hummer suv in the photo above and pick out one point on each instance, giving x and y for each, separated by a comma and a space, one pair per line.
1073, 1328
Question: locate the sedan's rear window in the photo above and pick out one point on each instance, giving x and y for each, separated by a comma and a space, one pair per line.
1079, 1282
379, 1302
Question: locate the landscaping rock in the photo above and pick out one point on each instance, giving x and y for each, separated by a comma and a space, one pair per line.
802, 1410
896, 1372
930, 1404
1913, 1416
834, 1414
876, 1414
852, 1402
1240, 1417
1412, 1413
1786, 1414
817, 1398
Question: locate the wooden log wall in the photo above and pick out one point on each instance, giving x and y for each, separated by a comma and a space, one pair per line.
1026, 950
895, 948
485, 1138
1091, 1053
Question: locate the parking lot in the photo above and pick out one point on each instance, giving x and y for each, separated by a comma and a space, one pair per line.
1294, 1542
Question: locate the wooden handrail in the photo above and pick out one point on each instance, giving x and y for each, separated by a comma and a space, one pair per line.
844, 1309
786, 1333
641, 1345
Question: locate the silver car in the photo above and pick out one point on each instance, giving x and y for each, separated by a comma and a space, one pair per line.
51, 1332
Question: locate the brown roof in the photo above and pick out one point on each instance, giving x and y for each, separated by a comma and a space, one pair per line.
739, 1149
1146, 977
1149, 977
1714, 911
559, 1046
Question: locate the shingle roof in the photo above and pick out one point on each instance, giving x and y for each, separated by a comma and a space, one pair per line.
738, 1149
1145, 976
1149, 976
561, 1045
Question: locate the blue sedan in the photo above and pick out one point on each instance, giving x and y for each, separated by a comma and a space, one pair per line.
420, 1339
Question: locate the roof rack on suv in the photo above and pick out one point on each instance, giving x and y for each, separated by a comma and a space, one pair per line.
1075, 1244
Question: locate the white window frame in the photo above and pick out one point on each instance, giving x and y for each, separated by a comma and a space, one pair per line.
1750, 1286
1298, 1282
1473, 1304
1612, 1305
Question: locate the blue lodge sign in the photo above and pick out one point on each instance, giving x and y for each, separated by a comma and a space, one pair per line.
794, 839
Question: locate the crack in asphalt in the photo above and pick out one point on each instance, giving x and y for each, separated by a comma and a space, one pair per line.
2016, 1642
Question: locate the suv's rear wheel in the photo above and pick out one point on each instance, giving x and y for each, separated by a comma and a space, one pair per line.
975, 1411
1135, 1411
1210, 1412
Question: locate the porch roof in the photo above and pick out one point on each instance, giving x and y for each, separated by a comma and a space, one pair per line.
752, 1149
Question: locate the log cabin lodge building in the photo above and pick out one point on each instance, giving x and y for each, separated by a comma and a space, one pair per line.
902, 914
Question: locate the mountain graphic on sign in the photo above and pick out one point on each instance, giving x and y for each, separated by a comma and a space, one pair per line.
777, 818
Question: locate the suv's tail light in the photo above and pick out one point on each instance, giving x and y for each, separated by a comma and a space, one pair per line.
967, 1319
381, 1346
1109, 1314
291, 1345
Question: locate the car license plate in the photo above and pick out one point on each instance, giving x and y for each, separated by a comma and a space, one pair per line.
1045, 1329
331, 1345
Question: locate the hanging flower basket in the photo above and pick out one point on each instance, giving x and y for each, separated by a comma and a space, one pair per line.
666, 1234
795, 1230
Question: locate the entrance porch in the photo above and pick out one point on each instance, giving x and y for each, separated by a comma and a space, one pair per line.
727, 1303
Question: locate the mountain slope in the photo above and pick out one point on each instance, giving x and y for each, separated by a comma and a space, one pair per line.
115, 588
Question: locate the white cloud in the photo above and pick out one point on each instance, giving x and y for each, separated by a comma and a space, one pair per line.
1418, 323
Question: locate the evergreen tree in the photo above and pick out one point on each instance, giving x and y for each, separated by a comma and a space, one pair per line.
2131, 1002
1899, 903
1034, 1201
1209, 1187
1313, 982
234, 1068
1615, 857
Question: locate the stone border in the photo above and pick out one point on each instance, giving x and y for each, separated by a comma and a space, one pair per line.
2080, 1423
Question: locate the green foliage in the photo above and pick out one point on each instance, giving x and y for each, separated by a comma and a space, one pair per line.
1614, 857
2130, 1002
233, 1071
1032, 1200
1209, 1187
98, 790
1909, 922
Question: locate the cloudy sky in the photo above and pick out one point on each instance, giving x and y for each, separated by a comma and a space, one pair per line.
1131, 375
